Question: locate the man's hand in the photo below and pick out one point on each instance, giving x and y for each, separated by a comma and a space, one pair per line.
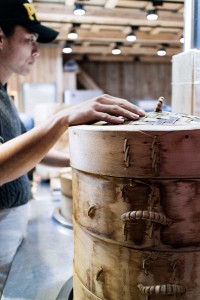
103, 108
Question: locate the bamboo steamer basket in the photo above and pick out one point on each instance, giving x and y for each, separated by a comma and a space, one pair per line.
159, 145
67, 208
139, 213
112, 272
136, 210
66, 190
80, 291
66, 182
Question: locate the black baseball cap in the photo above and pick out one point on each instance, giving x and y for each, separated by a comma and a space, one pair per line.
22, 12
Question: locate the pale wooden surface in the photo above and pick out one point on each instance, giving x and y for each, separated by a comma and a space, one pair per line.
137, 170
80, 292
131, 80
185, 82
113, 272
100, 201
139, 80
66, 182
169, 152
108, 21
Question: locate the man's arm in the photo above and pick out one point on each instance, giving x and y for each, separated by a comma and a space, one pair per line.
22, 153
56, 158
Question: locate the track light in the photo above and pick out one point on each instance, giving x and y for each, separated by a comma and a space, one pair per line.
131, 37
182, 40
116, 50
152, 15
161, 52
157, 2
72, 35
79, 9
67, 48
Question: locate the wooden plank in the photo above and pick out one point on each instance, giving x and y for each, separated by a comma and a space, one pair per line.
87, 81
110, 3
185, 82
69, 2
120, 16
101, 49
104, 36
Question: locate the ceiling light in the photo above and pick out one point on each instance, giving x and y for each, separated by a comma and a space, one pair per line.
116, 50
152, 15
131, 37
79, 9
70, 66
161, 52
67, 48
182, 40
72, 35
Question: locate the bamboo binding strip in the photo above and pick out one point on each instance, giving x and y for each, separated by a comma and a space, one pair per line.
162, 289
145, 215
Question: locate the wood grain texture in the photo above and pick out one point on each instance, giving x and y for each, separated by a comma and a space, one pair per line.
100, 202
136, 196
80, 292
131, 80
112, 272
100, 150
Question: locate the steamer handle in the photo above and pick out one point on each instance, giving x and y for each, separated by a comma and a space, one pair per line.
162, 289
145, 215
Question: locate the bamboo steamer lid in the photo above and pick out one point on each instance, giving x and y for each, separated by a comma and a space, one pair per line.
139, 213
112, 272
159, 145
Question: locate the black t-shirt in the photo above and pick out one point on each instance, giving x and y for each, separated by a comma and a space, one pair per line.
16, 192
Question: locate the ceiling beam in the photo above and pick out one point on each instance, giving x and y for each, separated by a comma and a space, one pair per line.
113, 36
105, 50
109, 21
69, 2
110, 4
107, 16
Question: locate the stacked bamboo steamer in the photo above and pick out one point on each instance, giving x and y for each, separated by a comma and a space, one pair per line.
66, 190
136, 191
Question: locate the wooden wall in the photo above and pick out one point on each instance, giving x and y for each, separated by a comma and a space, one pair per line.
127, 80
47, 69
131, 81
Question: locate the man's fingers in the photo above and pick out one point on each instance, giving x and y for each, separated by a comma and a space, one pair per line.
110, 100
104, 108
115, 110
108, 118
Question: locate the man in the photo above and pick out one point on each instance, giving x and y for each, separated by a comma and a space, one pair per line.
20, 30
